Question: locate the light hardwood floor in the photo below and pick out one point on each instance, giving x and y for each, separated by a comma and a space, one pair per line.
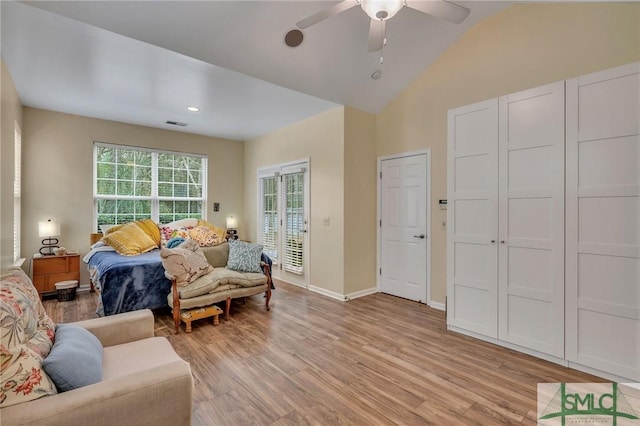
374, 360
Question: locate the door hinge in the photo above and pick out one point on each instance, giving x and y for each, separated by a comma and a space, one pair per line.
380, 223
380, 175
380, 271
280, 222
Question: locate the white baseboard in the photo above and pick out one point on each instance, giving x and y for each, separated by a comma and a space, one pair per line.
437, 305
83, 288
328, 293
361, 293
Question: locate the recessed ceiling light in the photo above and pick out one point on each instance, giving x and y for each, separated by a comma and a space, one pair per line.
193, 109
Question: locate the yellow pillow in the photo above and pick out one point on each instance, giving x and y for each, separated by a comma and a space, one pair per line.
130, 240
222, 233
151, 229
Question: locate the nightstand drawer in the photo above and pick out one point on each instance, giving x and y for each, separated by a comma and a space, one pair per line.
50, 265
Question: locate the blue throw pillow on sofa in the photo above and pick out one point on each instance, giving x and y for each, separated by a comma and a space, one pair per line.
244, 257
75, 359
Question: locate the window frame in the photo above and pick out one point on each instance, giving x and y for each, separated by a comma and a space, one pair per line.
154, 199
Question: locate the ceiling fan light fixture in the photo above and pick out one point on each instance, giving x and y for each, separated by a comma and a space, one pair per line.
381, 9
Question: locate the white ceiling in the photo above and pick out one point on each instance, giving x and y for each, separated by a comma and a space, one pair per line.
144, 62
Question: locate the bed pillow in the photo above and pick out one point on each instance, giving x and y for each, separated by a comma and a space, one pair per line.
222, 233
151, 229
205, 237
130, 240
74, 346
244, 257
185, 263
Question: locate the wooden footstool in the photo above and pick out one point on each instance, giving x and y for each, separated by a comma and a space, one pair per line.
189, 315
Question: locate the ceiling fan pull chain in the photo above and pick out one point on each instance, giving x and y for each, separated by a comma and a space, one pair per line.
384, 41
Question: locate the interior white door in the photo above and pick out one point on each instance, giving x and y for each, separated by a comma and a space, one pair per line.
531, 219
403, 245
603, 221
472, 252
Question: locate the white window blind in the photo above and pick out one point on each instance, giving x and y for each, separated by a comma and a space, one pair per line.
17, 190
270, 216
134, 183
294, 222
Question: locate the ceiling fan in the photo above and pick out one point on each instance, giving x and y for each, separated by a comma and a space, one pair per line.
381, 11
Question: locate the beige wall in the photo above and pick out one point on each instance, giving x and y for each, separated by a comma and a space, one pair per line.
58, 172
321, 139
11, 113
360, 194
522, 47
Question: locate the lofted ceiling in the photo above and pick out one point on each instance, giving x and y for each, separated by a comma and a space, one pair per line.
144, 62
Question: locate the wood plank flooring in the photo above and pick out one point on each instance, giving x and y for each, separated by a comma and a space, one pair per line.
376, 360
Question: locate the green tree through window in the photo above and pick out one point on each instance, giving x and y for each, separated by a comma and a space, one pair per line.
136, 183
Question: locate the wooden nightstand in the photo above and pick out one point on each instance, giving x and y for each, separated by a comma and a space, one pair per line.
48, 270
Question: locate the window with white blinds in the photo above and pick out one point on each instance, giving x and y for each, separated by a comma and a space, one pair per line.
269, 216
17, 190
294, 230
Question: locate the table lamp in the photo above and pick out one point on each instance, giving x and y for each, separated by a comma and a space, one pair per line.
48, 230
232, 228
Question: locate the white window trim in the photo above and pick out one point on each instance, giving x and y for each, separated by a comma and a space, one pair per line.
17, 192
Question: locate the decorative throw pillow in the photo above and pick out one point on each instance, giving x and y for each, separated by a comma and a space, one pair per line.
244, 257
175, 242
26, 333
130, 240
185, 263
167, 233
222, 233
74, 347
205, 237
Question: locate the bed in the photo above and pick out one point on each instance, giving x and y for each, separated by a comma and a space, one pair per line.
127, 283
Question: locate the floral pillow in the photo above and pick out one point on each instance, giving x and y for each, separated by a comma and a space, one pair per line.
205, 237
167, 233
27, 335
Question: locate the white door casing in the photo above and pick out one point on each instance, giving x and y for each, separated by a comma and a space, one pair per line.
404, 230
603, 221
531, 219
472, 215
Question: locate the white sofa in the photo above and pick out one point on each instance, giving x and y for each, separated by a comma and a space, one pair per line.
144, 381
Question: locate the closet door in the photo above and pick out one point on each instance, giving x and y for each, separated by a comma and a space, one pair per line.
472, 280
603, 221
531, 225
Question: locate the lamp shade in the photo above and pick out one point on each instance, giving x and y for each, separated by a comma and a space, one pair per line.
48, 228
232, 222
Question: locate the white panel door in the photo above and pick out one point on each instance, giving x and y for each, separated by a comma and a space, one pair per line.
603, 221
472, 264
403, 248
531, 213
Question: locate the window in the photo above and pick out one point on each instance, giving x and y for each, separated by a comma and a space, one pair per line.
136, 183
269, 216
17, 190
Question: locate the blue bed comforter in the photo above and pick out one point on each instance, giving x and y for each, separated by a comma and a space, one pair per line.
129, 283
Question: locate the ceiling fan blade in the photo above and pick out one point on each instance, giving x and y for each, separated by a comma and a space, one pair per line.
376, 34
440, 9
327, 13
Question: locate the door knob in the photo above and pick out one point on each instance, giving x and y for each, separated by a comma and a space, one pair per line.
421, 236
501, 241
493, 241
